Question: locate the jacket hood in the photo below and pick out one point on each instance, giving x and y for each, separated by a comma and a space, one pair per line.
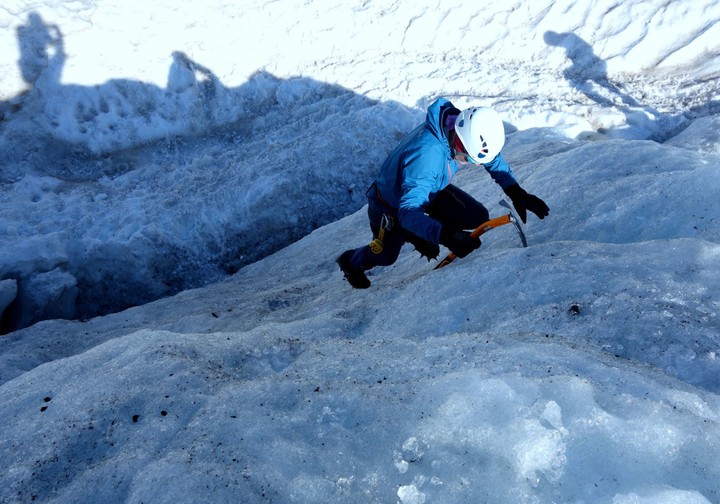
436, 117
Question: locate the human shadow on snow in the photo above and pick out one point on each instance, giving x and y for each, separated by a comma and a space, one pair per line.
83, 128
588, 74
588, 70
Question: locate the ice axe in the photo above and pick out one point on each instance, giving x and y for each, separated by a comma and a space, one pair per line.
487, 226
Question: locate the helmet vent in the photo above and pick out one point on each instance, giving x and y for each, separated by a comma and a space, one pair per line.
484, 150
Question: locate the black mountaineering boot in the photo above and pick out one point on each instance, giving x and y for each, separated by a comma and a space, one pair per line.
354, 276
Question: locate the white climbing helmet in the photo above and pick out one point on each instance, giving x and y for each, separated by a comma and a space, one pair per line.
481, 132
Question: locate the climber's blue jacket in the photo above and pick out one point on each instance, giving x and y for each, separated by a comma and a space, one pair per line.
421, 166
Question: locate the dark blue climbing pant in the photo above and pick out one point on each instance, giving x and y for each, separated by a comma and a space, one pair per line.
452, 207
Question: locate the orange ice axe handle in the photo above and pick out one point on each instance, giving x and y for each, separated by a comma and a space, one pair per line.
481, 229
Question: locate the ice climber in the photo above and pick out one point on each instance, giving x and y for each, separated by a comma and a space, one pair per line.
413, 201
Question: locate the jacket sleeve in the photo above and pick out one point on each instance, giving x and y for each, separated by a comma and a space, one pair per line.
500, 171
419, 181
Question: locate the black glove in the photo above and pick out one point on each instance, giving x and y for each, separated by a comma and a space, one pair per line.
523, 201
460, 243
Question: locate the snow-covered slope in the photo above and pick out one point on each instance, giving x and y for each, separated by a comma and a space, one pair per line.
582, 368
229, 149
